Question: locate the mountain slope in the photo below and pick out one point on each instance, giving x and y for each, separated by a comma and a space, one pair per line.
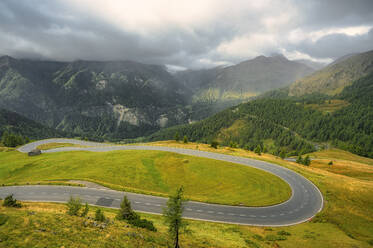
332, 79
120, 99
245, 79
291, 125
15, 123
312, 64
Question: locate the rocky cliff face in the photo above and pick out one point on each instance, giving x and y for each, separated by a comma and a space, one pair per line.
110, 99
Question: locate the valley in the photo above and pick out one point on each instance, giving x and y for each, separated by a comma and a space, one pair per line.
209, 124
329, 228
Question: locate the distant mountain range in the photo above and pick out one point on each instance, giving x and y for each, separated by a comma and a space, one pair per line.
244, 80
110, 99
124, 99
333, 106
290, 125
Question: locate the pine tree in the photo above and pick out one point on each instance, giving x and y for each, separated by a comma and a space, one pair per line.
99, 216
85, 210
125, 211
258, 150
177, 136
173, 213
307, 161
73, 206
299, 160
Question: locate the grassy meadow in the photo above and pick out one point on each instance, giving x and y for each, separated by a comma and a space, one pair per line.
345, 221
150, 172
329, 106
48, 225
49, 146
348, 199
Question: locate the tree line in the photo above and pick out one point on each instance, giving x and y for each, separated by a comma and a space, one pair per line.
289, 125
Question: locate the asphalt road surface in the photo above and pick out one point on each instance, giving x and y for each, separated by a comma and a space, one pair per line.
305, 202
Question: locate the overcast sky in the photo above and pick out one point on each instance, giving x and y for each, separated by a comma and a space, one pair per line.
184, 33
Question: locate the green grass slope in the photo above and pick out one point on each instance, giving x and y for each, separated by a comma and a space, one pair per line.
332, 79
151, 172
48, 225
345, 221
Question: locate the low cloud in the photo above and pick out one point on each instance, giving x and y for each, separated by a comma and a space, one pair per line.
184, 34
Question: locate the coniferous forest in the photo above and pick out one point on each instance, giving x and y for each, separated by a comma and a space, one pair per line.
294, 125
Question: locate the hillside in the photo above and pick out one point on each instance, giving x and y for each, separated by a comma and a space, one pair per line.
243, 80
120, 99
15, 123
291, 124
332, 79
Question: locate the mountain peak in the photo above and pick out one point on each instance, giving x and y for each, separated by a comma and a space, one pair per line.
335, 77
6, 58
278, 55
273, 57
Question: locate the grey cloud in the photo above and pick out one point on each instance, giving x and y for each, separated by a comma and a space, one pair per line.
335, 13
52, 30
337, 45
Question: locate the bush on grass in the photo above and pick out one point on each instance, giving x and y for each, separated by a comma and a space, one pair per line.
9, 201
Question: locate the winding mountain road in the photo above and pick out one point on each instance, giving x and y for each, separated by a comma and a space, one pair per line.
305, 202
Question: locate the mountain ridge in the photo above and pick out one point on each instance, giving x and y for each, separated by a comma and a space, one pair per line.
243, 80
332, 79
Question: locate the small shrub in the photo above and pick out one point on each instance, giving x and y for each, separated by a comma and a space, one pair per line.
143, 223
73, 206
274, 238
99, 216
185, 139
258, 237
283, 233
3, 219
330, 163
214, 144
9, 201
251, 244
126, 213
85, 210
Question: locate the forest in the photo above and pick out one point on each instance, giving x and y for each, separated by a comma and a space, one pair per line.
291, 125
